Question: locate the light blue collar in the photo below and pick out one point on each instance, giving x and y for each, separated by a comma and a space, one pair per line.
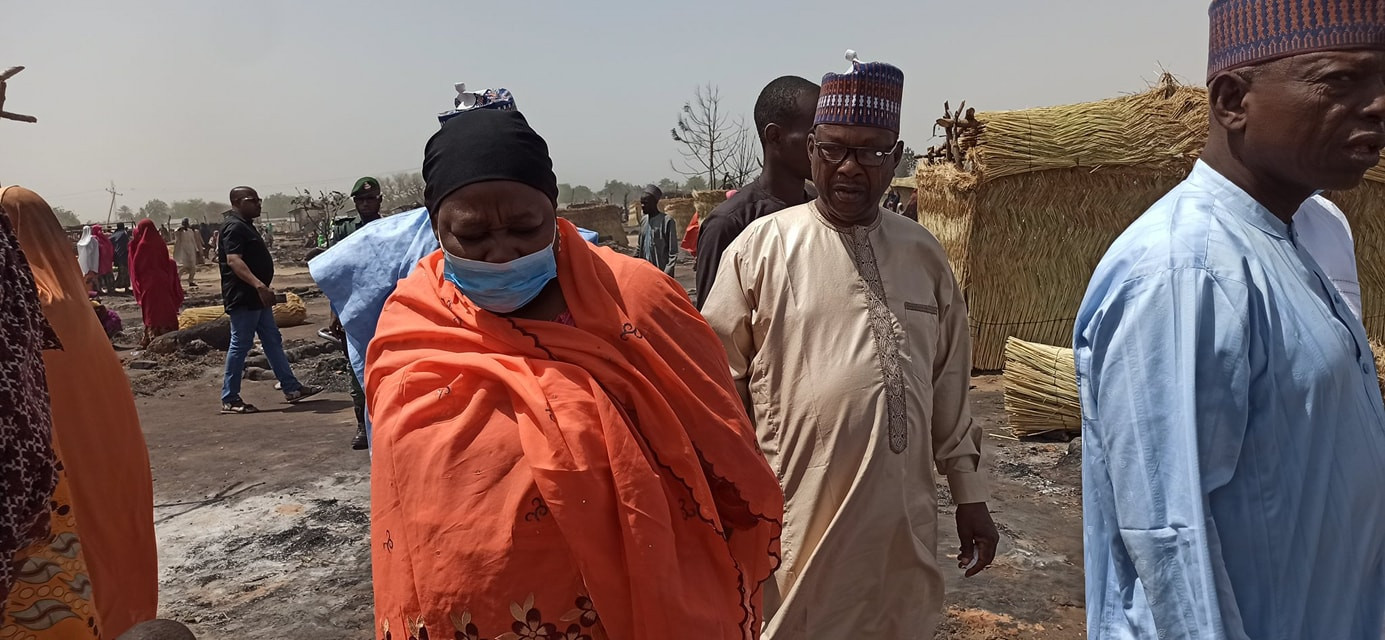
1237, 201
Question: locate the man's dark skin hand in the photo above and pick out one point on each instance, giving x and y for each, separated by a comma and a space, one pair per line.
266, 296
979, 537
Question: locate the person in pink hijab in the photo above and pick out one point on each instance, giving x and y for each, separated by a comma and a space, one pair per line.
105, 261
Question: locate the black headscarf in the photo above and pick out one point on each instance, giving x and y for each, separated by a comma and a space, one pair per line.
484, 145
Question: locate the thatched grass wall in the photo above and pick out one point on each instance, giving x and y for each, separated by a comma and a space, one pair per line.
1025, 265
604, 219
1042, 193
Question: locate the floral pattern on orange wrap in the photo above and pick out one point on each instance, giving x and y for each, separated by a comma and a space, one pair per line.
580, 623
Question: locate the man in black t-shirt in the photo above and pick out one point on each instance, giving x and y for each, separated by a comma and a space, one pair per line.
247, 270
783, 116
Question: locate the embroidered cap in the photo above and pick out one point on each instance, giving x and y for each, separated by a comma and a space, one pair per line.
1246, 32
871, 94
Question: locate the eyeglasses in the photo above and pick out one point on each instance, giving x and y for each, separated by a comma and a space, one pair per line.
361, 198
249, 200
865, 156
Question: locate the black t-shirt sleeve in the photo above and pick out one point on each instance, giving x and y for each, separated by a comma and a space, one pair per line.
713, 237
233, 239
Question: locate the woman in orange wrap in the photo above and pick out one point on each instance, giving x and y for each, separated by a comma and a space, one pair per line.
559, 450
96, 430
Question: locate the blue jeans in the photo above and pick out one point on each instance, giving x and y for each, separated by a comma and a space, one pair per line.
245, 323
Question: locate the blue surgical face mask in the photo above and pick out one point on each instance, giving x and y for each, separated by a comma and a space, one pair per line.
506, 286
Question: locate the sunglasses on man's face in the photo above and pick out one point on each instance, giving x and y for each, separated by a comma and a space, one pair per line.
256, 200
366, 198
865, 156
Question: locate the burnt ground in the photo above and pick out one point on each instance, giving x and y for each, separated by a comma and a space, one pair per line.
263, 520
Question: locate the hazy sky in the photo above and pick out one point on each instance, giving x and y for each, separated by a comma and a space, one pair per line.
185, 98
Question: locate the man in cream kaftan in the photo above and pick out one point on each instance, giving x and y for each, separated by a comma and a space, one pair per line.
851, 352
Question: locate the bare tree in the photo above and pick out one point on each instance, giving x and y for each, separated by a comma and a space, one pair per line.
745, 159
402, 191
318, 210
707, 135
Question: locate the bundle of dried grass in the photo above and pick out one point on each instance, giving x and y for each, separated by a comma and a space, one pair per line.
290, 313
1041, 389
1041, 194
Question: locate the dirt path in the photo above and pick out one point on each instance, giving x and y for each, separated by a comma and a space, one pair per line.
263, 520
1035, 588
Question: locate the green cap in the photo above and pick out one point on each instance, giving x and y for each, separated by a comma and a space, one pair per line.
366, 186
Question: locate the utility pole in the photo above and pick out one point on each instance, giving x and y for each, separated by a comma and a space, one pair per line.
111, 191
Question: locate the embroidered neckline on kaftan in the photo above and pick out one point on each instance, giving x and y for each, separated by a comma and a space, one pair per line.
884, 328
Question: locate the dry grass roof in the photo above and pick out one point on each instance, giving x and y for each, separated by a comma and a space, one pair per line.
1163, 129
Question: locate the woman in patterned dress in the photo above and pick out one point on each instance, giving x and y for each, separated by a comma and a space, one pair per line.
43, 581
96, 429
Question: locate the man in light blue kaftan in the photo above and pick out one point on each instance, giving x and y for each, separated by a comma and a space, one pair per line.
1233, 431
1234, 438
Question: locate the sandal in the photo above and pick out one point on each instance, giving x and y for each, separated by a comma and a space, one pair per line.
238, 407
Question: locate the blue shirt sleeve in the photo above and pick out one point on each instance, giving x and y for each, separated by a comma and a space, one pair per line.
1164, 370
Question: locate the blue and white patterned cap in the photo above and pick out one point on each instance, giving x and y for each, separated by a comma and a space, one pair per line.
869, 95
500, 99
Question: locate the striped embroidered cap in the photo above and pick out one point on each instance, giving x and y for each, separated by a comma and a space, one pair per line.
1246, 32
871, 94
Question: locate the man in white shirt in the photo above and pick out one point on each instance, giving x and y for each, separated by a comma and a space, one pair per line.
1323, 231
